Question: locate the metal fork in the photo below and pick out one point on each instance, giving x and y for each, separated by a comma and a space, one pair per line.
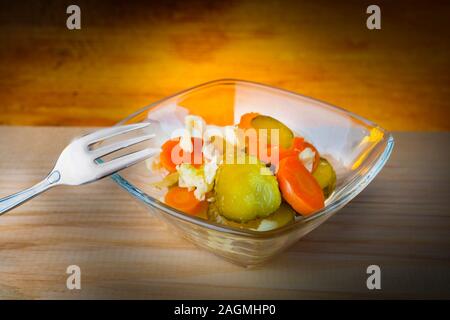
78, 163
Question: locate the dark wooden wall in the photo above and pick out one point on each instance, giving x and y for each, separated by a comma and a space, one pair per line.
129, 53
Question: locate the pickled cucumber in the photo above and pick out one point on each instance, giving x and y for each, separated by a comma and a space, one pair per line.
265, 122
242, 193
281, 217
325, 176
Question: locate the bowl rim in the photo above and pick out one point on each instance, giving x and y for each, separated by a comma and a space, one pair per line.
350, 190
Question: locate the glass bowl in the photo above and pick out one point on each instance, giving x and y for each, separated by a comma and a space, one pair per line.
356, 147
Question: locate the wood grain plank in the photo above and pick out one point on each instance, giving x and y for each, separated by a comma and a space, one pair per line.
400, 222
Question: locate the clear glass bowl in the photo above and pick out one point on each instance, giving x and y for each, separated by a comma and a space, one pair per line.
357, 148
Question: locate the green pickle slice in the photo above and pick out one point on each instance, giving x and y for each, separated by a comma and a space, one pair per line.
265, 122
281, 217
325, 176
243, 193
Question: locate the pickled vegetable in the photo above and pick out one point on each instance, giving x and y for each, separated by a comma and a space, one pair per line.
298, 186
184, 200
244, 192
168, 181
239, 185
281, 217
325, 176
172, 146
246, 120
265, 122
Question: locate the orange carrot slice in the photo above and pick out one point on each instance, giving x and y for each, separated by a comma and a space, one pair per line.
298, 145
166, 155
171, 147
298, 186
246, 120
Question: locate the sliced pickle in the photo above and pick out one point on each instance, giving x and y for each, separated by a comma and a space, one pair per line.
325, 176
281, 217
265, 122
246, 191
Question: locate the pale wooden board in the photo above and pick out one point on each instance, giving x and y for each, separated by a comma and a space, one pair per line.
400, 222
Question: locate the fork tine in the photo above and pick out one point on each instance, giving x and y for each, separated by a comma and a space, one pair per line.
103, 151
111, 132
123, 162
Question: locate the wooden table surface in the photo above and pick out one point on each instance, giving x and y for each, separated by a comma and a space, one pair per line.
131, 53
401, 222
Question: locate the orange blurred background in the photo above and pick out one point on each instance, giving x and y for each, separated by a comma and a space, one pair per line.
129, 54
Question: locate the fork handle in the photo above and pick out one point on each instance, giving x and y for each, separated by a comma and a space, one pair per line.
14, 200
